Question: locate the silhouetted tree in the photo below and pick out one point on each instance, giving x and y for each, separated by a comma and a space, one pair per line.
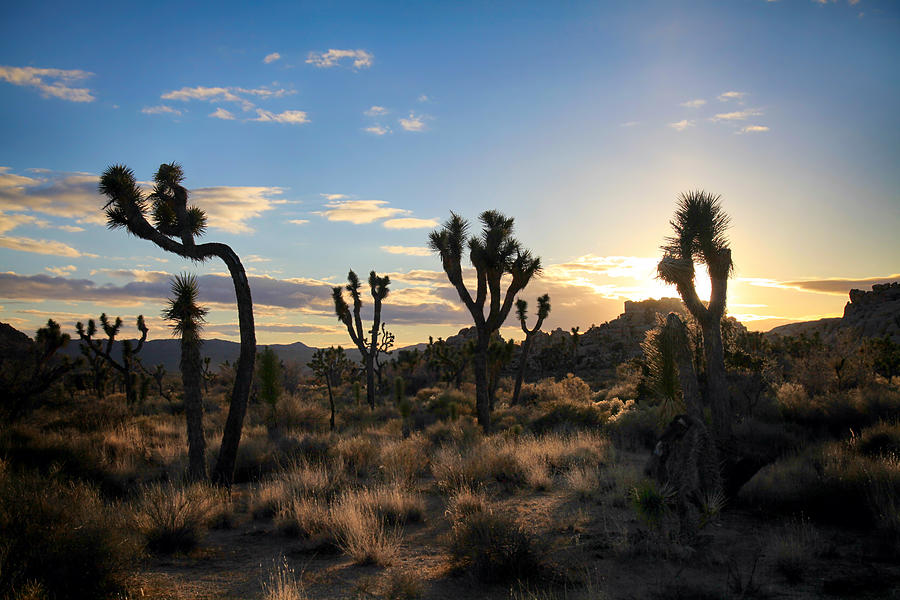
368, 347
575, 339
99, 349
187, 319
500, 354
27, 375
521, 313
269, 375
330, 364
385, 343
494, 253
447, 360
174, 229
699, 227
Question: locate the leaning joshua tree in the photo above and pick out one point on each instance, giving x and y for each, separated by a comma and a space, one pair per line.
521, 312
368, 347
104, 351
187, 319
699, 228
175, 225
494, 253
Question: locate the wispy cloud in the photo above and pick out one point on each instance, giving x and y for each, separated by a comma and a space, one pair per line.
410, 223
299, 221
629, 123
161, 109
292, 117
738, 115
378, 129
359, 211
324, 60
407, 250
51, 83
413, 122
8, 222
694, 103
375, 111
237, 95
423, 98
229, 208
61, 271
726, 96
681, 125
51, 247
221, 113
832, 285
270, 58
753, 129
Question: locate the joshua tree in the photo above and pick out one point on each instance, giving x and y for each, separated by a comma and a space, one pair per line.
385, 343
494, 253
447, 360
500, 353
330, 364
28, 375
575, 338
699, 228
174, 229
100, 350
368, 347
521, 312
187, 321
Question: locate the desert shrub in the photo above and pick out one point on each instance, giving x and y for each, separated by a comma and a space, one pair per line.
401, 584
461, 433
464, 502
311, 447
568, 389
255, 458
358, 455
304, 517
838, 412
567, 415
792, 549
831, 483
880, 440
362, 534
299, 414
404, 461
652, 503
394, 505
60, 539
496, 548
446, 404
638, 427
299, 479
281, 582
175, 518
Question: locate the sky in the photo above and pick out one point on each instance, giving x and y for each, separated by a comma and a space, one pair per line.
328, 136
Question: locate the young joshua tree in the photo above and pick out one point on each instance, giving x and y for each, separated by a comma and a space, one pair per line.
522, 313
175, 227
187, 319
494, 253
104, 351
368, 347
699, 228
330, 364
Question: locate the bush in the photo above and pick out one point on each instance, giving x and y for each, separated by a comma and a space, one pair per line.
792, 549
403, 462
567, 415
637, 428
60, 539
496, 547
358, 455
174, 518
305, 517
568, 389
882, 439
362, 533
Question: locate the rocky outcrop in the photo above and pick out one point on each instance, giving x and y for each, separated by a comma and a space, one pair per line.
13, 343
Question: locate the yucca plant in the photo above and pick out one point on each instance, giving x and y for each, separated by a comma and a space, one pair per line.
494, 253
175, 227
187, 319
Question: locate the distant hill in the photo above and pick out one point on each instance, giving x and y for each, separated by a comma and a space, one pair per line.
874, 313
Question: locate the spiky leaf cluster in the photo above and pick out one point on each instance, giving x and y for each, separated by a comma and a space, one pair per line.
699, 234
186, 316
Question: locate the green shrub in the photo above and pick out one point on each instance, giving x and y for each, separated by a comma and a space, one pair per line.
60, 538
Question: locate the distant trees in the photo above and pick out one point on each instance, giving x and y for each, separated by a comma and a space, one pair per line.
699, 227
269, 375
330, 364
368, 346
494, 253
103, 350
175, 227
522, 313
447, 360
187, 319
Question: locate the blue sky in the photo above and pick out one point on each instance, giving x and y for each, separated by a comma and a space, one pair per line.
322, 137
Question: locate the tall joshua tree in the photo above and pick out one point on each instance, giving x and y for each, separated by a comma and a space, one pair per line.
104, 351
494, 253
175, 225
368, 347
187, 319
522, 313
699, 227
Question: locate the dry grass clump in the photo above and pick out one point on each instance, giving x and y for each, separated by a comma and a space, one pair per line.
174, 518
304, 517
401, 584
583, 483
569, 388
793, 548
404, 461
281, 583
495, 547
298, 414
299, 480
59, 539
462, 433
464, 502
362, 533
358, 455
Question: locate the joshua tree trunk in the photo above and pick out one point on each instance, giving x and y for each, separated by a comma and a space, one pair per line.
715, 378
482, 392
193, 407
330, 401
520, 376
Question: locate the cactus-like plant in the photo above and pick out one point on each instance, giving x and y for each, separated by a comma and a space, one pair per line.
330, 364
522, 314
369, 347
103, 350
175, 227
494, 253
